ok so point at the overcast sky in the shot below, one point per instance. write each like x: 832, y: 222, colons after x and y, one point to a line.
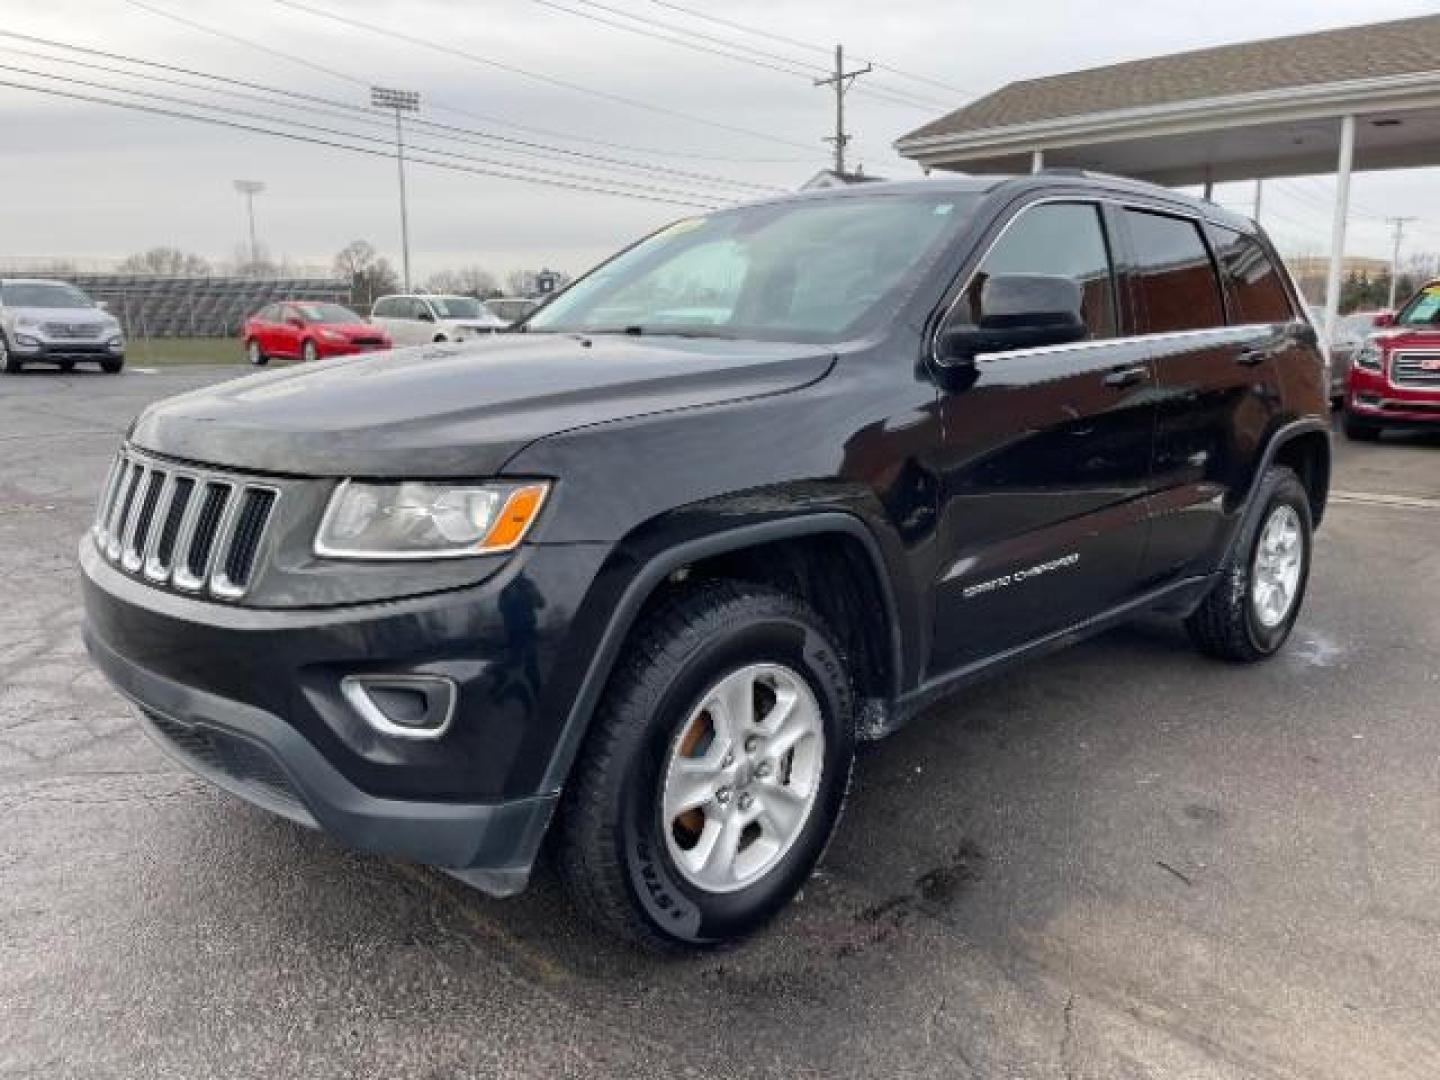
x: 87, y: 181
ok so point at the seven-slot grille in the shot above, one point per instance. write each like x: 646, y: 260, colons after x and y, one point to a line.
x: 1415, y: 369
x: 193, y: 530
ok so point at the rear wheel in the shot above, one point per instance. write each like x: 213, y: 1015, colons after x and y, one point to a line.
x: 66, y: 366
x: 9, y: 362
x: 255, y: 354
x: 1254, y: 604
x: 715, y: 771
x: 1360, y: 430
x: 308, y: 353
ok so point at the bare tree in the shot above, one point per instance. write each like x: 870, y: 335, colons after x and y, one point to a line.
x: 165, y: 261
x: 473, y: 281
x: 369, y: 273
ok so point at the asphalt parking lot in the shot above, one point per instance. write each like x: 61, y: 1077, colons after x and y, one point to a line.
x: 1124, y: 861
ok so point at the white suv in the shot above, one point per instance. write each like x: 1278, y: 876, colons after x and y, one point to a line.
x: 55, y: 323
x: 413, y: 320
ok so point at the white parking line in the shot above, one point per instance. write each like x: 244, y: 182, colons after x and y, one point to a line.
x: 1368, y: 498
x: 145, y: 370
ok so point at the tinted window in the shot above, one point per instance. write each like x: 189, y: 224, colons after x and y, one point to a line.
x: 1173, y: 273
x: 387, y: 308
x: 1255, y: 286
x: 269, y: 313
x: 44, y: 295
x: 418, y: 309
x: 1065, y: 239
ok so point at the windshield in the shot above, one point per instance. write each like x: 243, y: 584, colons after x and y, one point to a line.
x: 44, y: 296
x: 796, y: 271
x: 327, y: 313
x: 1422, y: 310
x: 460, y: 307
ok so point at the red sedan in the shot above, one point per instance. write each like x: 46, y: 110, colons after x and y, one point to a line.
x: 300, y: 330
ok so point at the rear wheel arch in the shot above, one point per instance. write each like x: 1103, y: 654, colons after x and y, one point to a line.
x: 777, y: 553
x: 1303, y: 446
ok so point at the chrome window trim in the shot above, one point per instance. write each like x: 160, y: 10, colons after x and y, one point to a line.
x: 1239, y: 332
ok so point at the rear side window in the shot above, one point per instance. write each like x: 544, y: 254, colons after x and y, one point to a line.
x: 1064, y: 239
x: 1174, y: 276
x: 385, y: 309
x: 1255, y: 286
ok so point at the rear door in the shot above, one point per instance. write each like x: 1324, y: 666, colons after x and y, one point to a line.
x: 1217, y: 380
x: 1046, y: 452
x: 266, y: 331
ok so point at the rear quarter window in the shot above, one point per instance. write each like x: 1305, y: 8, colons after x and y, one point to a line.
x: 1256, y: 289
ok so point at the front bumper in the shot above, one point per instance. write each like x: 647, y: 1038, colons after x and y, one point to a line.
x: 1372, y: 396
x: 251, y: 699
x: 67, y: 350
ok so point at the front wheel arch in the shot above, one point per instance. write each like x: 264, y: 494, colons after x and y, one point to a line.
x: 650, y: 580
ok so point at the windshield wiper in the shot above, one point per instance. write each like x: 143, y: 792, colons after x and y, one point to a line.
x: 638, y: 330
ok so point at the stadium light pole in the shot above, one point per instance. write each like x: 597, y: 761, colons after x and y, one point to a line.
x: 251, y: 188
x: 402, y: 101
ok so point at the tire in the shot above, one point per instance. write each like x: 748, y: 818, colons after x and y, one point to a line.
x: 615, y: 850
x: 1232, y: 622
x: 1360, y: 430
x: 9, y: 362
x: 254, y: 355
x: 66, y: 366
x: 440, y: 339
x: 112, y: 365
x: 308, y: 352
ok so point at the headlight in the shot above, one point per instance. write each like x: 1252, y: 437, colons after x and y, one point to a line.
x: 417, y: 520
x: 27, y: 322
x: 116, y: 342
x: 26, y: 340
x: 1368, y: 357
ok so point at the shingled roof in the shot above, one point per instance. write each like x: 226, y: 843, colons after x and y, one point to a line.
x: 1402, y: 47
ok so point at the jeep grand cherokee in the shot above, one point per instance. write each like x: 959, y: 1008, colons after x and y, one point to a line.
x: 768, y: 483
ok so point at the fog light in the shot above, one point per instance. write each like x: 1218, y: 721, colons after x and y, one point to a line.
x: 403, y: 706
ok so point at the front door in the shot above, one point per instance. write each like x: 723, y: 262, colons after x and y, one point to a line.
x: 1046, y: 455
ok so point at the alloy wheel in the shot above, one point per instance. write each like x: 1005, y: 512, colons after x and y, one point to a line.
x: 1279, y: 561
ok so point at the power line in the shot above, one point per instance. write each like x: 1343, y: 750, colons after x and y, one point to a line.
x: 250, y: 115
x: 334, y: 145
x: 441, y: 106
x: 350, y: 111
x: 772, y: 36
x: 486, y: 61
x: 771, y: 61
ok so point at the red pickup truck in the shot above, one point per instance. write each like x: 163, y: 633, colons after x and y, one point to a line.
x: 1395, y: 377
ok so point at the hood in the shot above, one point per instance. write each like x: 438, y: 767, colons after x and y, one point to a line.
x: 70, y: 316
x: 1398, y: 337
x: 459, y: 410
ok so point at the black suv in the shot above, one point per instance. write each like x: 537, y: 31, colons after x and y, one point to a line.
x: 640, y: 576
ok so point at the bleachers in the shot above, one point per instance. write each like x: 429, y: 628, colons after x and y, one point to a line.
x: 164, y: 307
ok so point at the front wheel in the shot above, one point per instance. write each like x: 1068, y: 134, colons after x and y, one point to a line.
x: 1250, y: 611
x: 255, y: 354
x: 308, y: 353
x: 715, y: 771
x: 112, y: 365
x: 9, y: 362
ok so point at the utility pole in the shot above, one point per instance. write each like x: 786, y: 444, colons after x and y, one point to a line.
x: 251, y: 188
x: 1399, y: 224
x: 841, y: 80
x: 402, y: 101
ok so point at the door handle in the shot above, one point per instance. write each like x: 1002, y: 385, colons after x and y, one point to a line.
x: 1252, y: 357
x: 1127, y: 376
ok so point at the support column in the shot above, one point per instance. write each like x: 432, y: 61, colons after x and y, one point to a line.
x: 1259, y: 198
x: 1343, y: 166
x: 1037, y: 160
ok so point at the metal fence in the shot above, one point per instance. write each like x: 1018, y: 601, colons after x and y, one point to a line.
x: 172, y: 307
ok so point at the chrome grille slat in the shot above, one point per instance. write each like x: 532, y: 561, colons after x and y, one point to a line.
x: 196, y: 531
x: 1407, y: 369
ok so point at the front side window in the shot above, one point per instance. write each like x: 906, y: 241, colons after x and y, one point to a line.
x: 804, y: 270
x: 327, y: 313
x: 1255, y: 286
x: 1174, y: 276
x: 1059, y: 239
x: 384, y: 309
x: 43, y: 295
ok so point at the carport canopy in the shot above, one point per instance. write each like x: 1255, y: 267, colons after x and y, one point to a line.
x: 1361, y: 97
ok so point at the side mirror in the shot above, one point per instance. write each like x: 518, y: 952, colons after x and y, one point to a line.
x: 1017, y: 311
x: 424, y: 314
x: 296, y: 321
x: 1385, y: 318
